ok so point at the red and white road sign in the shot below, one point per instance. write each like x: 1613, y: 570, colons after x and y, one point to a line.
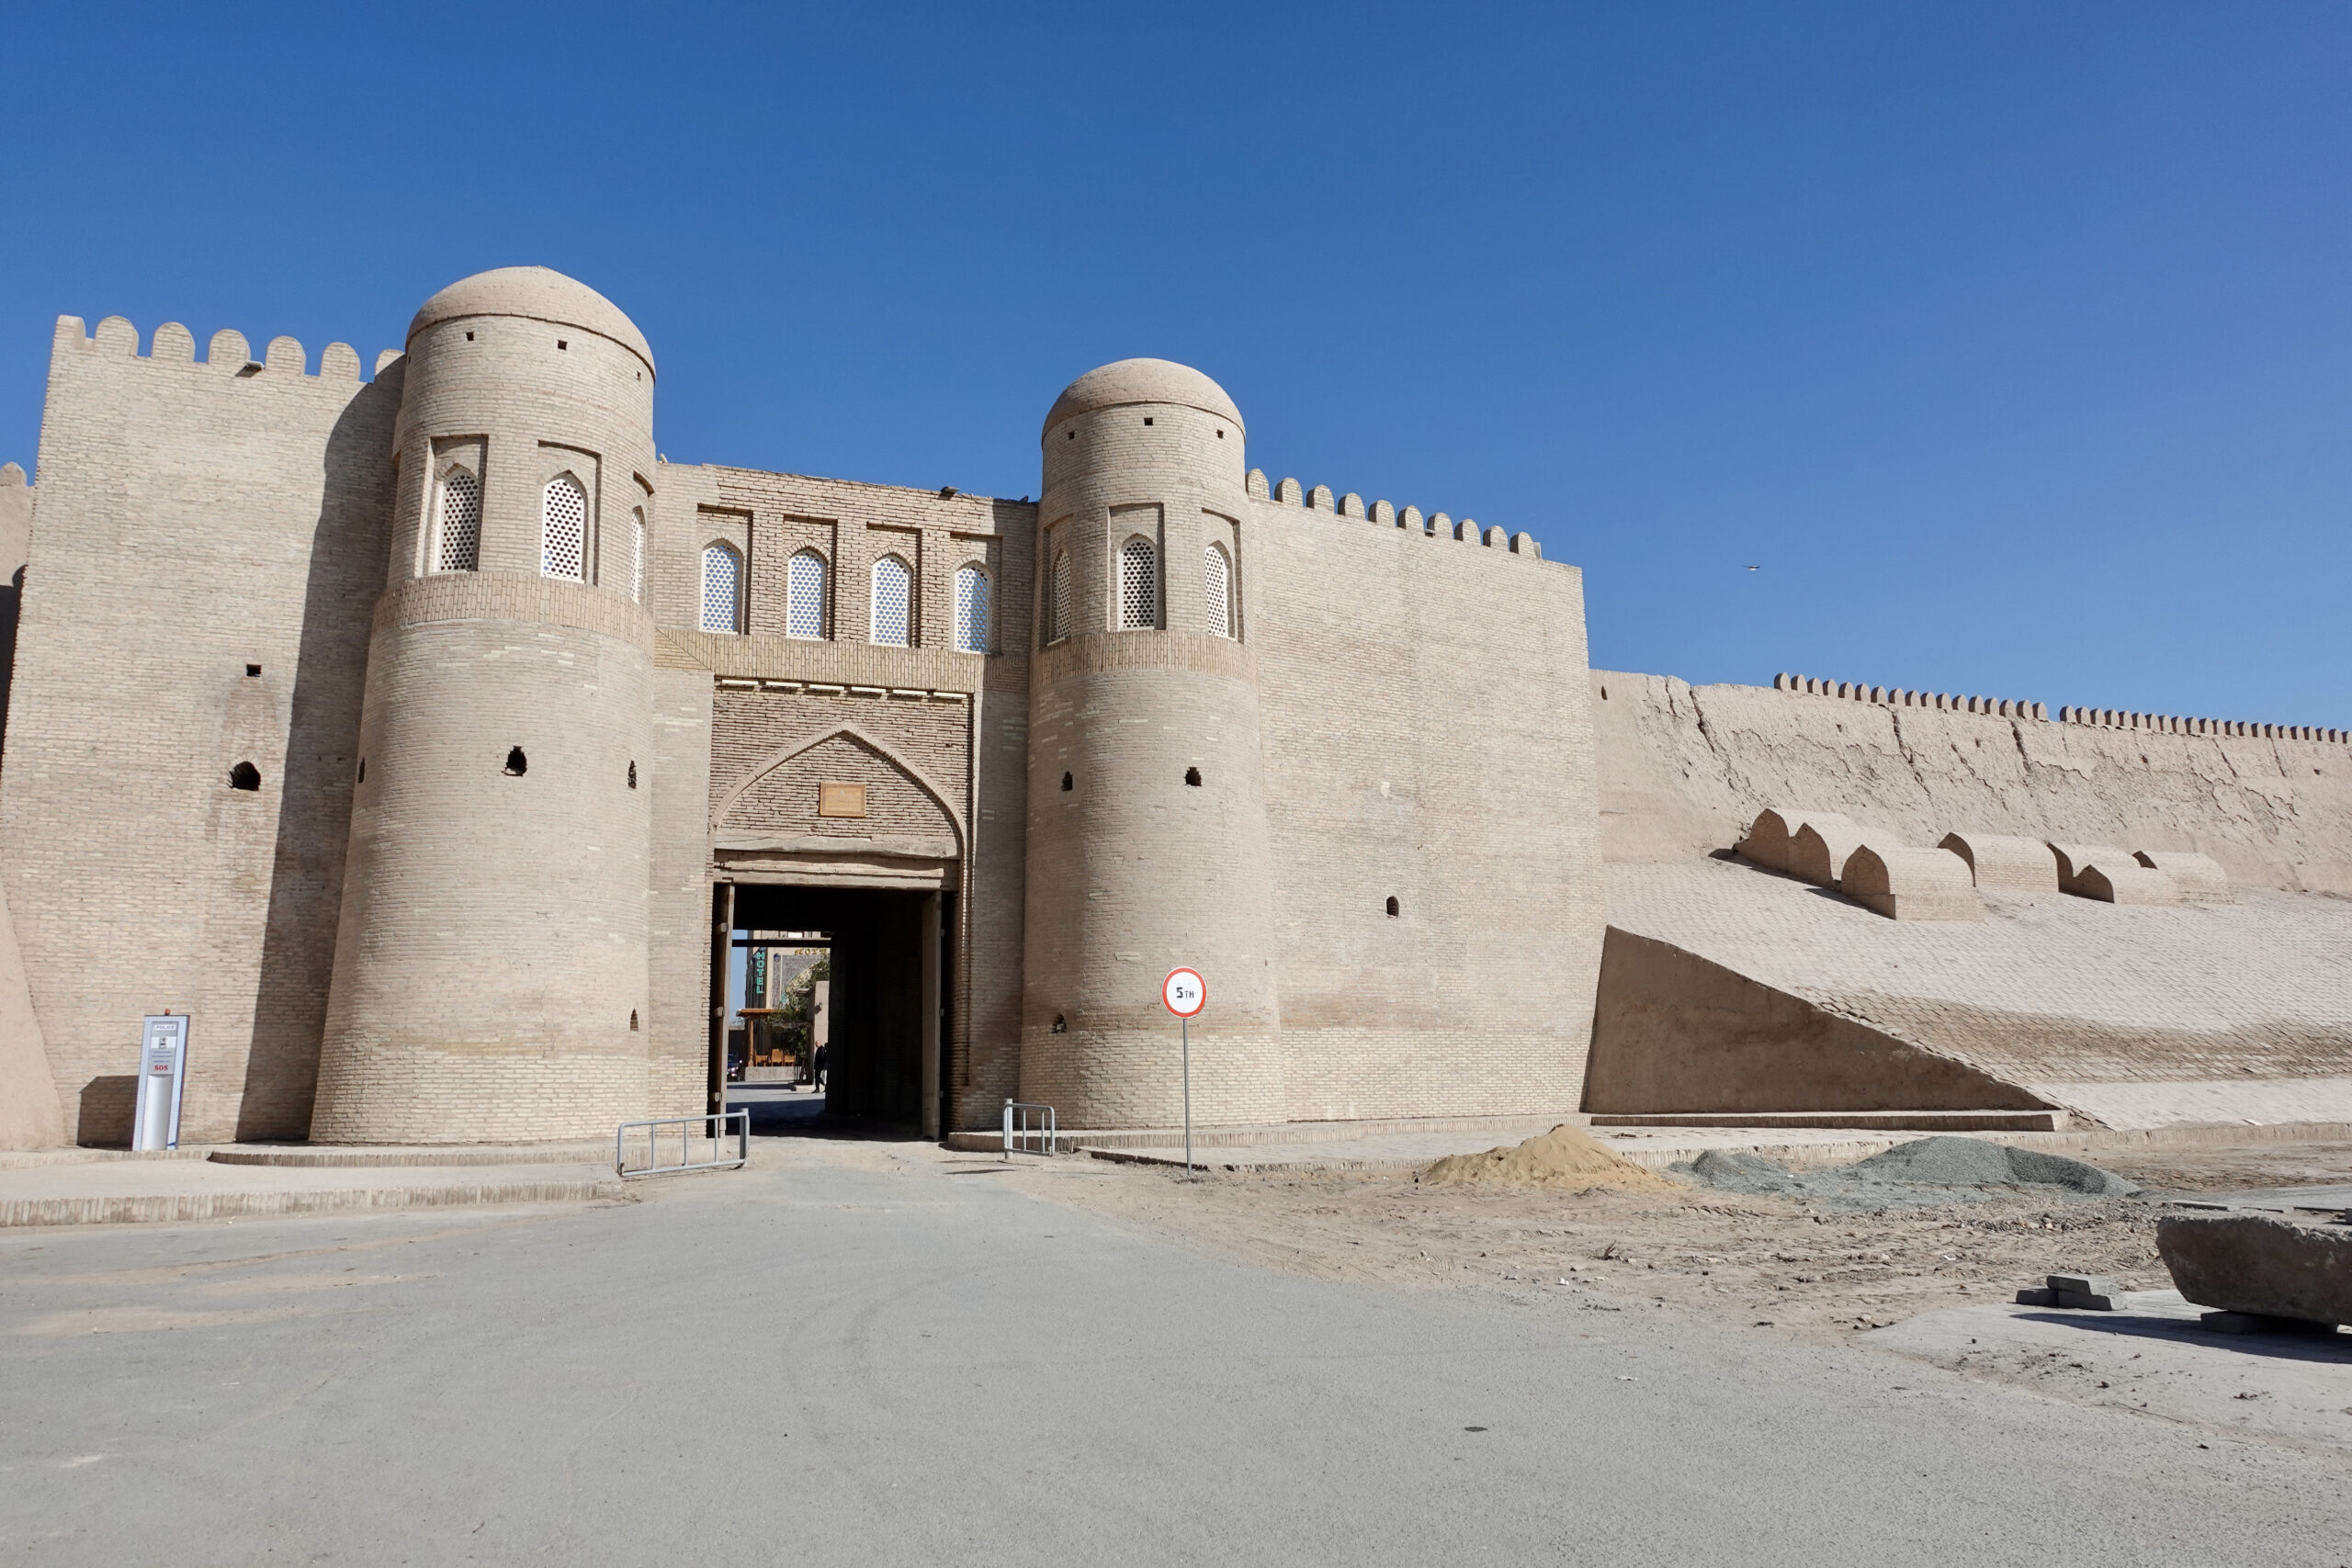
x: 1184, y: 992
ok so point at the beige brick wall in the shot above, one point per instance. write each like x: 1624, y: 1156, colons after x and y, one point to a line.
x: 959, y: 719
x: 1426, y: 736
x: 194, y: 518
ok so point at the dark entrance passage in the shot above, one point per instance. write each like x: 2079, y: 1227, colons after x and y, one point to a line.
x: 886, y: 996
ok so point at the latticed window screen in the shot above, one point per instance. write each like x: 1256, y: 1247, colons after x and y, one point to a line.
x: 971, y: 609
x: 804, y: 595
x: 891, y: 582
x: 1138, y: 585
x: 563, y: 539
x: 1218, y: 594
x: 722, y: 582
x: 458, y: 539
x: 1060, y: 626
x: 637, y: 557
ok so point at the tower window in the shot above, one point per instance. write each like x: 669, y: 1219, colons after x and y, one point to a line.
x: 1147, y: 419
x: 1192, y: 777
x: 1138, y: 585
x: 632, y: 775
x: 632, y: 1020
x: 244, y: 775
x: 1061, y: 1024
x: 804, y: 595
x: 1059, y: 627
x: 1218, y: 585
x: 891, y: 617
x: 252, y: 670
x: 563, y: 537
x: 561, y: 343
x: 363, y: 771
x: 971, y: 609
x: 722, y: 588
x: 457, y: 544
x: 1067, y: 783
x: 1392, y: 906
x: 517, y: 765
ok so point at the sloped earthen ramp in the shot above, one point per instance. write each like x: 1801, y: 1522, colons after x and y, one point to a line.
x: 1725, y: 988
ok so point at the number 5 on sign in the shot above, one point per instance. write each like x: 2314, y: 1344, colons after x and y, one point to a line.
x: 1184, y: 992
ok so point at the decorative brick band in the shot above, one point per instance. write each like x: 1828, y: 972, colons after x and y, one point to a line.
x: 733, y: 656
x: 1092, y: 654
x: 514, y: 596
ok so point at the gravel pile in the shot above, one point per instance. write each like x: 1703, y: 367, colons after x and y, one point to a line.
x: 1914, y: 1174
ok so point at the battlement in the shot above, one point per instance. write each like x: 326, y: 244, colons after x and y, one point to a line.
x: 2166, y: 724
x: 1380, y: 513
x: 228, y: 353
x: 2103, y: 719
x: 1902, y: 697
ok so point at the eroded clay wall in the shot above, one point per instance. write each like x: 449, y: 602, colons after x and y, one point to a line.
x: 1426, y: 738
x: 1684, y: 768
x: 208, y: 541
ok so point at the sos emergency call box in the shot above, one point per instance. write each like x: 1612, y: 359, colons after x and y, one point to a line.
x: 162, y: 1075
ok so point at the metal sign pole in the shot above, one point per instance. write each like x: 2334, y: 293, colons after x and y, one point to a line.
x: 1184, y: 993
x: 1188, y: 1096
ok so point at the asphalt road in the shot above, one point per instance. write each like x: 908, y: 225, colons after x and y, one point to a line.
x: 851, y: 1356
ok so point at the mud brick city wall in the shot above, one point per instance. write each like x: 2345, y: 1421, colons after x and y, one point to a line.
x: 1426, y: 738
x: 195, y: 518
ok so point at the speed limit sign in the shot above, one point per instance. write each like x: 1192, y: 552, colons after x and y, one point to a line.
x: 1184, y: 992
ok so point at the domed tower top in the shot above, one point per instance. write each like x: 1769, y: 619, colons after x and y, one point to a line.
x: 536, y: 293
x: 1129, y: 381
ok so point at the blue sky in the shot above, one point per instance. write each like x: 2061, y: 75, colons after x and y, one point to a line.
x: 2013, y: 344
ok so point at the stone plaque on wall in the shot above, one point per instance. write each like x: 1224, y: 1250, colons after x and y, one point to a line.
x: 840, y: 800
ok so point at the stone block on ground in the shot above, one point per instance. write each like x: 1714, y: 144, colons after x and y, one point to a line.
x: 2260, y: 1264
x: 2034, y: 1296
x: 2084, y: 1284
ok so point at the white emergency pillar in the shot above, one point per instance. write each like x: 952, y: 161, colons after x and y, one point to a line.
x: 162, y: 1075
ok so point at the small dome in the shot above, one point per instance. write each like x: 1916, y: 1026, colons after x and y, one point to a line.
x: 1143, y: 381
x: 538, y: 294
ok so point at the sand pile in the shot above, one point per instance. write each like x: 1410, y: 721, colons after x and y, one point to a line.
x: 1922, y: 1173
x: 1566, y: 1157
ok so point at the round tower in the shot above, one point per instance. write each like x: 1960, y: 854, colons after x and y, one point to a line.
x: 1147, y: 844
x: 490, y: 968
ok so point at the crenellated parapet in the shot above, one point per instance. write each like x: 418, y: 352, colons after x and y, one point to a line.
x: 2102, y: 718
x: 1903, y: 697
x: 1383, y: 514
x: 2167, y: 724
x: 229, y: 353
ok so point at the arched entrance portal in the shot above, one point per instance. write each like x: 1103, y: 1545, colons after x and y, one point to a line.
x: 890, y: 955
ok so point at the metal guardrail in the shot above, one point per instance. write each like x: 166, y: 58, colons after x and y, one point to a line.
x: 1023, y: 1123
x: 714, y: 1140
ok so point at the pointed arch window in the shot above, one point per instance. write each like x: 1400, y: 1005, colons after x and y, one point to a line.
x: 637, y: 556
x: 971, y: 609
x: 457, y: 527
x: 804, y: 595
x: 893, y: 594
x: 1138, y: 585
x: 563, y: 532
x: 722, y: 588
x: 1217, y: 592
x: 1058, y: 604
